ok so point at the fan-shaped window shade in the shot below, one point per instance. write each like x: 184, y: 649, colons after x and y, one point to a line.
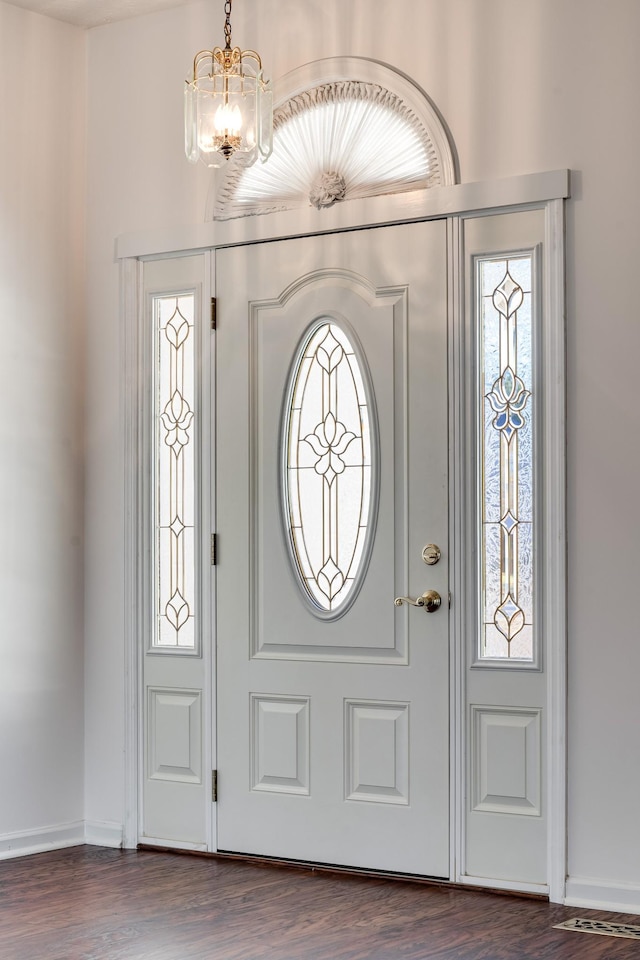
x: 336, y: 141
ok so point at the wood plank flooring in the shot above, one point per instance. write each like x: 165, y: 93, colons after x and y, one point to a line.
x: 91, y: 903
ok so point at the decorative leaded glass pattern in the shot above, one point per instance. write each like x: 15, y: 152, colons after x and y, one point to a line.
x: 328, y: 468
x: 506, y: 462
x: 174, y: 459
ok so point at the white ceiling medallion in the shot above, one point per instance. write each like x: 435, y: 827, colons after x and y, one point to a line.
x: 343, y: 128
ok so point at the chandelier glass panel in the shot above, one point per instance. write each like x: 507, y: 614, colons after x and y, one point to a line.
x: 228, y: 105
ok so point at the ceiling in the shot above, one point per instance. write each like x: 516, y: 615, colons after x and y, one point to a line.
x: 92, y: 13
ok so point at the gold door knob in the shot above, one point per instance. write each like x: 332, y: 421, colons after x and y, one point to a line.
x: 430, y: 601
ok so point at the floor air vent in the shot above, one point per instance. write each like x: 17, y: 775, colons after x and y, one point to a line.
x: 603, y: 927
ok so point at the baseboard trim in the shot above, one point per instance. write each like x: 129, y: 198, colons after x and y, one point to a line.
x: 22, y: 843
x: 602, y: 895
x: 103, y: 833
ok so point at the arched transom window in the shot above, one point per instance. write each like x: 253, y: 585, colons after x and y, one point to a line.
x: 368, y: 133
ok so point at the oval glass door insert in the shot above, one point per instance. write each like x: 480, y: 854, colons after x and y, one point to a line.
x: 330, y: 468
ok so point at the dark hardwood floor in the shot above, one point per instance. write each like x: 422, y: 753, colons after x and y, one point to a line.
x: 91, y: 903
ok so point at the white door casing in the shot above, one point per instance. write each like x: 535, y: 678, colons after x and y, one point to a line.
x: 544, y: 192
x: 333, y: 734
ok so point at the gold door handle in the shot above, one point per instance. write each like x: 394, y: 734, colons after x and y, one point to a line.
x: 430, y: 600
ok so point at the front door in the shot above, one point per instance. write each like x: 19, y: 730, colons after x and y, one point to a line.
x: 331, y: 432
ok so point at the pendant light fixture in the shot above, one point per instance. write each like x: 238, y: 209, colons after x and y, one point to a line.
x: 228, y: 107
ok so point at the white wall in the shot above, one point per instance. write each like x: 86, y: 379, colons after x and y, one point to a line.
x: 42, y: 191
x: 524, y: 87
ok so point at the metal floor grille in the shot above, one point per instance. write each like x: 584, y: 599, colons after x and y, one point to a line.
x: 602, y: 927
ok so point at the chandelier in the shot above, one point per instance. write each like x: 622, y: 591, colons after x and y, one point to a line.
x: 228, y: 107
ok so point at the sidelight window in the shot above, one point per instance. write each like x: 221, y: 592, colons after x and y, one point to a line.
x: 174, y: 468
x: 506, y: 432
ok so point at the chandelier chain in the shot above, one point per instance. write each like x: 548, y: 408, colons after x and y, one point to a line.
x: 227, y: 24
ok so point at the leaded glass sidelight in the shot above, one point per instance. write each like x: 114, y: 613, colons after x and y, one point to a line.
x: 506, y: 461
x: 330, y: 454
x: 174, y: 465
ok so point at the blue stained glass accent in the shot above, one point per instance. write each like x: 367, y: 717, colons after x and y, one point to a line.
x: 509, y: 522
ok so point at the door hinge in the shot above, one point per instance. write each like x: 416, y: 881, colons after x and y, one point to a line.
x: 214, y: 558
x: 214, y: 786
x: 213, y: 313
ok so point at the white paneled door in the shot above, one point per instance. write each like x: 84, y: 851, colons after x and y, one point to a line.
x: 331, y: 400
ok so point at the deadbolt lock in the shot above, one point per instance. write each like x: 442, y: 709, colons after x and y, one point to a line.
x: 431, y: 554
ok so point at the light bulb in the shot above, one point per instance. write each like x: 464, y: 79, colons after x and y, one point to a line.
x: 228, y: 119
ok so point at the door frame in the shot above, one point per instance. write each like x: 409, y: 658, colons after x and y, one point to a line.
x: 546, y: 191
